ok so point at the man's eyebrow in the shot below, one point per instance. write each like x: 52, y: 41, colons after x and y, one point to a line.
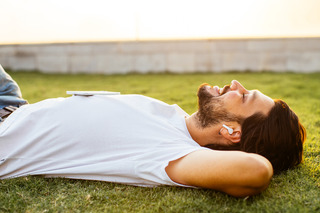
x: 254, y: 95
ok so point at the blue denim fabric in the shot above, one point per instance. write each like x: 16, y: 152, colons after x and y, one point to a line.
x: 10, y: 93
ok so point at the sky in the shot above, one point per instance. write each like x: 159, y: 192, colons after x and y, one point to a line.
x: 42, y: 21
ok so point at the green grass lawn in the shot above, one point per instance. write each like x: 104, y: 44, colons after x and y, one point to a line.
x: 297, y: 190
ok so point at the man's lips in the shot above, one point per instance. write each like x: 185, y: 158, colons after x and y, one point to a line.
x: 221, y: 91
x: 213, y: 90
x: 217, y: 91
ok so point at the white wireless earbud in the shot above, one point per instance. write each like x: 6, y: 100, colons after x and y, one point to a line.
x: 230, y: 130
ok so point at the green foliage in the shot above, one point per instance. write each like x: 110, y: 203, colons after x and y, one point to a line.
x: 297, y: 190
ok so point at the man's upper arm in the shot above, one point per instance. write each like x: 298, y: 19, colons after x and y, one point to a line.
x: 234, y: 172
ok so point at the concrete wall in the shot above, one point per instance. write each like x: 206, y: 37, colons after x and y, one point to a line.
x: 180, y: 56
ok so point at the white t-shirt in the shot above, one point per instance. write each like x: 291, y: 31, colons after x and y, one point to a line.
x: 122, y: 138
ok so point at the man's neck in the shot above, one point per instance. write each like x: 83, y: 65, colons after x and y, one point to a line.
x: 203, y: 136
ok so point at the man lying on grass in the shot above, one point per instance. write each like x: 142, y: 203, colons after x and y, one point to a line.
x: 137, y: 140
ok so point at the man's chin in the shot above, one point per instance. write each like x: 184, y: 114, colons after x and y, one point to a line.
x: 204, y: 85
x: 204, y: 89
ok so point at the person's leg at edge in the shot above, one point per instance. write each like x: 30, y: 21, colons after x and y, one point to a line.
x: 10, y: 94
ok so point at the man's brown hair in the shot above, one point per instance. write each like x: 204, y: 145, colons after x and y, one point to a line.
x: 279, y: 137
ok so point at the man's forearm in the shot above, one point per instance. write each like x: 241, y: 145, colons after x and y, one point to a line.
x: 233, y: 172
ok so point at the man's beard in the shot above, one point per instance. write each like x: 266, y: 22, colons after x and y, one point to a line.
x: 211, y: 110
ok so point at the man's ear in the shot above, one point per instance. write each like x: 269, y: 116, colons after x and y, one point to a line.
x: 235, y: 136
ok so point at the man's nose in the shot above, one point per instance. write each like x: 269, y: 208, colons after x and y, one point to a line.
x: 235, y: 85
